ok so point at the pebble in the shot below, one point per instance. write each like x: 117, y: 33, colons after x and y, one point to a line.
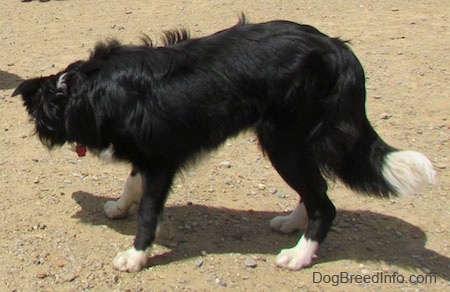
x: 115, y: 278
x: 252, y: 139
x: 225, y: 164
x: 42, y: 275
x: 199, y: 263
x: 249, y: 262
x: 385, y: 116
x: 39, y: 226
x: 273, y: 190
x: 69, y: 277
x: 221, y: 282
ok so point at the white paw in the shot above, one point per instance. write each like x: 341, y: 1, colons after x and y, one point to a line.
x: 131, y: 260
x: 113, y: 210
x: 298, y: 257
x: 296, y: 220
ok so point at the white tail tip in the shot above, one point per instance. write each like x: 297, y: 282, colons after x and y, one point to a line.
x: 408, y: 171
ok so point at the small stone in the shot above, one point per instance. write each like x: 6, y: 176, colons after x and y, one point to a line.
x: 225, y: 164
x: 42, y: 275
x: 39, y: 226
x: 70, y: 277
x: 199, y: 263
x: 261, y: 259
x: 221, y: 282
x: 250, y: 263
x: 385, y: 116
x: 273, y: 191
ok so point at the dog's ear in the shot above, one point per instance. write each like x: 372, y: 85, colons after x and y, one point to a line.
x: 28, y: 87
x: 34, y: 91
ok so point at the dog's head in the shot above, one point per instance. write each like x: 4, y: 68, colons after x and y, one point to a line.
x: 45, y: 99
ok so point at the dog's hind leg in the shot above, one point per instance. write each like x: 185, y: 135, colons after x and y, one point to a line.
x: 296, y: 220
x: 131, y: 195
x: 304, y: 176
x: 155, y: 187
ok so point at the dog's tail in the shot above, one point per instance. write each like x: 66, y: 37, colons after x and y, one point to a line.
x: 344, y: 143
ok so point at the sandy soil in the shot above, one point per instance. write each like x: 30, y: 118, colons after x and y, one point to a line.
x: 55, y: 237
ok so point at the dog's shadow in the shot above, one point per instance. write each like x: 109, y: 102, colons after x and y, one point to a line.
x: 9, y: 80
x: 357, y: 235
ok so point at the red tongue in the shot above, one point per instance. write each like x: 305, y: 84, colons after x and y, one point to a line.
x: 81, y: 150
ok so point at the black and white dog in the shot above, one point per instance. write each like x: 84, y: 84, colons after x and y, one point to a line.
x: 159, y: 107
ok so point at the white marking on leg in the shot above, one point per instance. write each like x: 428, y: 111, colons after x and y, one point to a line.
x: 296, y: 220
x: 299, y: 256
x: 107, y: 154
x: 408, y: 171
x: 131, y: 194
x: 131, y: 260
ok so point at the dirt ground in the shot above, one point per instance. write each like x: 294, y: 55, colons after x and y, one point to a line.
x: 54, y: 235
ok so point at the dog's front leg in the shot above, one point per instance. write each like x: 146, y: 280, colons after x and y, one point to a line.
x: 155, y: 187
x: 131, y: 195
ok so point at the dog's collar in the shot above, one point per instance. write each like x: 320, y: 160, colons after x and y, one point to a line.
x: 81, y: 150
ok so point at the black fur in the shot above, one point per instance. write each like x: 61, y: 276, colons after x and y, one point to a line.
x: 302, y: 91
